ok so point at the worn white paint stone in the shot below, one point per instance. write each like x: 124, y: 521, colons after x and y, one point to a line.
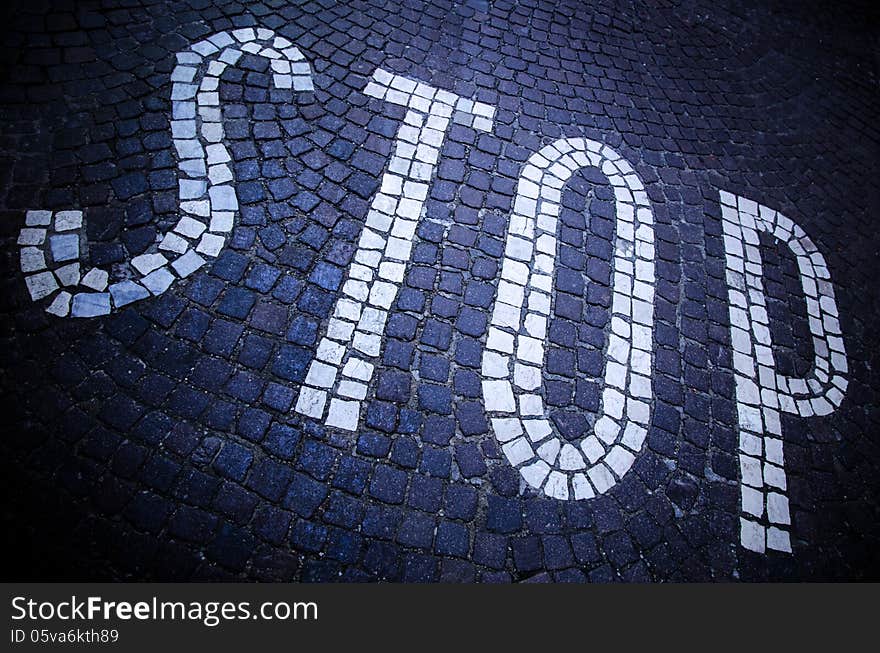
x: 188, y: 263
x: 41, y: 285
x: 96, y: 279
x: 31, y: 236
x: 343, y: 414
x: 146, y: 263
x: 311, y: 402
x: 68, y: 274
x: 60, y: 306
x: 68, y: 220
x: 90, y: 304
x: 158, y: 281
x: 127, y: 292
x: 498, y: 396
x: 38, y: 219
x: 32, y: 259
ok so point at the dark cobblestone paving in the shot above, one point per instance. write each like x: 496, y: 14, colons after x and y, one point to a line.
x: 160, y: 442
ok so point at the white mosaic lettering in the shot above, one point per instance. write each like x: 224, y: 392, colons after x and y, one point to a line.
x: 596, y: 461
x: 386, y: 241
x: 52, y: 243
x: 207, y: 199
x: 762, y: 393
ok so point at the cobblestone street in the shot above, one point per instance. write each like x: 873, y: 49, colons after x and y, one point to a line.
x: 478, y: 291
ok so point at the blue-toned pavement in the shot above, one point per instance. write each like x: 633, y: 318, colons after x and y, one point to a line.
x: 424, y: 291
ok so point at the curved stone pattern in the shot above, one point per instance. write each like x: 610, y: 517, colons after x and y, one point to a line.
x: 53, y: 243
x: 761, y: 393
x: 514, y: 355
